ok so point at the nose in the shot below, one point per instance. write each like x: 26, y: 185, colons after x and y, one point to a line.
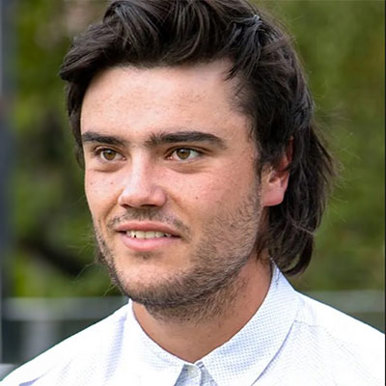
x: 141, y: 187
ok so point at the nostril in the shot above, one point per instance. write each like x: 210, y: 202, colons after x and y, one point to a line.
x: 142, y: 197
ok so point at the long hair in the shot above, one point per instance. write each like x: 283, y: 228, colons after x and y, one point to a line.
x: 273, y: 92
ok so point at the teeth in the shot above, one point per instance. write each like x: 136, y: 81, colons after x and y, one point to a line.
x: 147, y: 235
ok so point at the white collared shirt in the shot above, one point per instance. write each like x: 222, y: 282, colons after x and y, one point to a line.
x: 291, y: 340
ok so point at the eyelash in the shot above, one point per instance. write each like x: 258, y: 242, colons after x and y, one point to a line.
x: 175, y: 150
x: 98, y: 153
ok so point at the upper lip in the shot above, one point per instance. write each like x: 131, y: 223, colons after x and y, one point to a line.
x: 146, y: 227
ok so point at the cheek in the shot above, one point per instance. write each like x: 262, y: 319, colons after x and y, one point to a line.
x: 100, y: 193
x: 208, y: 193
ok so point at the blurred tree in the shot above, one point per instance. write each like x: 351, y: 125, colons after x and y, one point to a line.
x: 50, y: 213
x: 342, y: 46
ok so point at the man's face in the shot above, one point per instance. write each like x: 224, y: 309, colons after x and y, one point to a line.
x: 170, y: 178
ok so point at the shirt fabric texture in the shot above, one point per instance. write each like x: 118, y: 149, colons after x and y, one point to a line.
x: 291, y: 340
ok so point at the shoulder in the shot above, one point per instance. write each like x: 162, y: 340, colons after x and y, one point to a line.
x: 348, y: 347
x: 82, y: 351
x: 340, y: 326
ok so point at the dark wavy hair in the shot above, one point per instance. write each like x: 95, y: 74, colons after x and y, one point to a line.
x: 273, y: 93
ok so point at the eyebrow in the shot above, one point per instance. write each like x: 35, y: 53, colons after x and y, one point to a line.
x: 157, y: 139
x: 185, y: 136
x: 91, y: 136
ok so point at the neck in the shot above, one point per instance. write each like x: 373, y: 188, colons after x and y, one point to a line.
x: 213, y: 320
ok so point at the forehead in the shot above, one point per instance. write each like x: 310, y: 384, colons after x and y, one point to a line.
x: 140, y: 99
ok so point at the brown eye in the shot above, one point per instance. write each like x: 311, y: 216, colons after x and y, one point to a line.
x: 108, y: 154
x: 184, y: 154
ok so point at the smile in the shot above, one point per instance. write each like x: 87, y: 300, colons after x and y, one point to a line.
x: 147, y: 234
x: 147, y: 241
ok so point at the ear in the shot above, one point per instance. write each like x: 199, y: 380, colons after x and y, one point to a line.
x: 274, y: 181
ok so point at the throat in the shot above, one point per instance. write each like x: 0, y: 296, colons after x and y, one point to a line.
x: 212, y: 319
x: 209, y: 321
x: 204, y: 309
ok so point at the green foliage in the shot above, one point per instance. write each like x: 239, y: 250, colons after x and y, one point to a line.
x: 342, y: 46
x: 53, y: 255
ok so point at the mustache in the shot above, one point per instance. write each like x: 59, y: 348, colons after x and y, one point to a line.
x: 149, y: 214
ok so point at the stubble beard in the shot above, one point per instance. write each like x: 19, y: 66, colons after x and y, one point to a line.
x: 213, y: 282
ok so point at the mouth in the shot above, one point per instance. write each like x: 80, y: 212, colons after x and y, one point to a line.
x: 145, y: 235
x: 148, y: 241
x: 146, y: 230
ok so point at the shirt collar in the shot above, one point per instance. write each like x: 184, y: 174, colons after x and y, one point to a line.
x: 239, y: 361
x: 245, y: 356
x: 148, y: 360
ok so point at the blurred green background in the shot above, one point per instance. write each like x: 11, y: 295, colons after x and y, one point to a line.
x: 342, y: 46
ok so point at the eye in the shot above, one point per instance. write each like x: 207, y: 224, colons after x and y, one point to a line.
x: 108, y: 155
x: 183, y: 154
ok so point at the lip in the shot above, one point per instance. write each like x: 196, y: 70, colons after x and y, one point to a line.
x: 146, y: 245
x: 146, y: 227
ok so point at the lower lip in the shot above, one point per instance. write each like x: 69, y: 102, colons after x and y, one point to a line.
x: 147, y: 245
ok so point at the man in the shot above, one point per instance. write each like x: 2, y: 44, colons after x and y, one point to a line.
x: 205, y: 180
